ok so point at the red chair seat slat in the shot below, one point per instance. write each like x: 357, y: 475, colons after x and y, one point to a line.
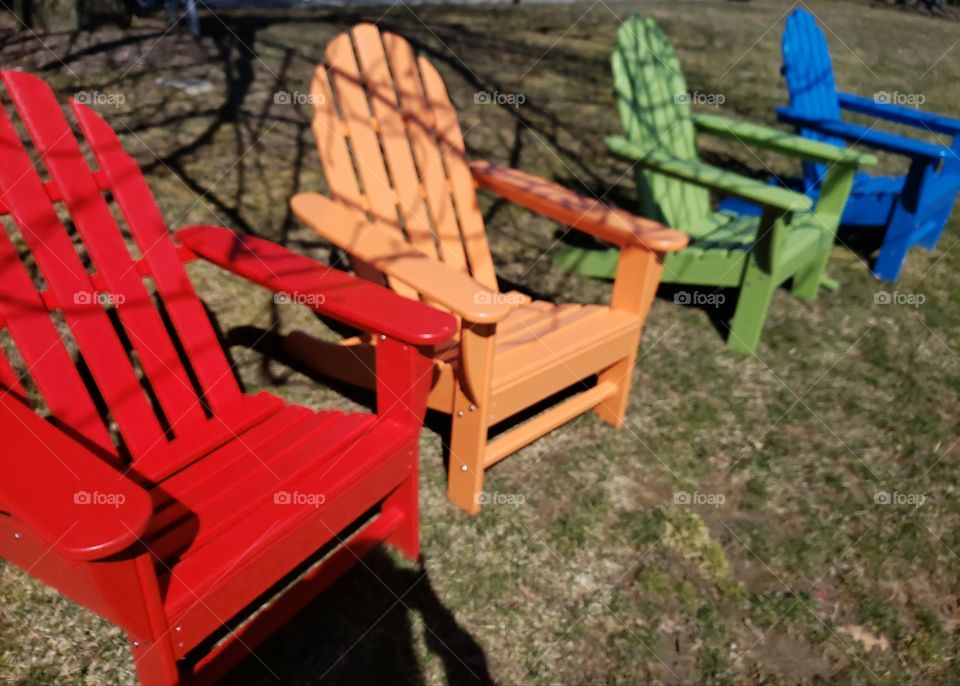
x: 197, y: 440
x: 273, y: 471
x: 248, y: 557
x: 203, y: 477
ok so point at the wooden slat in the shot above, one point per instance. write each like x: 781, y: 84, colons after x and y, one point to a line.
x: 808, y: 69
x: 554, y: 345
x: 355, y: 110
x: 104, y: 242
x: 522, y: 316
x: 283, y: 430
x: 63, y: 271
x: 421, y: 129
x: 47, y: 361
x: 202, y: 485
x: 531, y: 430
x: 378, y: 197
x: 513, y: 325
x: 808, y: 72
x: 393, y: 138
x: 332, y: 444
x: 559, y: 317
x: 186, y: 312
x: 222, y: 507
x: 221, y: 466
x: 648, y: 83
x: 198, y: 439
x: 206, y: 589
x: 454, y: 153
x: 328, y: 130
x: 53, y: 190
x: 569, y: 362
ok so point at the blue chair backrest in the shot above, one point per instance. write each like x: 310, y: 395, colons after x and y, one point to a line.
x: 809, y: 76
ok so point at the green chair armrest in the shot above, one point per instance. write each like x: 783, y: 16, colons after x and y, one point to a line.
x: 711, y: 177
x: 780, y: 141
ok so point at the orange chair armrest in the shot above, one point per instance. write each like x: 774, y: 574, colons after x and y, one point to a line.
x: 577, y: 211
x: 385, y: 249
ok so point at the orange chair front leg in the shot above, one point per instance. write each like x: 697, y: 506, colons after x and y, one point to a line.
x: 468, y: 432
x: 634, y: 288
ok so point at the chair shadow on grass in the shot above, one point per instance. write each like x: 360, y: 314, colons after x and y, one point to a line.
x: 363, y: 630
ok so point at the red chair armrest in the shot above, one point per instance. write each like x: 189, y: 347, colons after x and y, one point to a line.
x: 73, y: 499
x: 351, y: 300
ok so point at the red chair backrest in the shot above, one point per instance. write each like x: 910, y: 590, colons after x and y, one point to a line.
x: 90, y: 272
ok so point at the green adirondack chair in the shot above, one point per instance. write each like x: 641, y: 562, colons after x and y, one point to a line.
x: 790, y: 239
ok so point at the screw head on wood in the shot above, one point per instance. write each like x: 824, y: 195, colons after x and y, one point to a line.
x: 473, y: 408
x: 459, y: 413
x: 463, y: 468
x: 383, y: 337
x: 16, y: 536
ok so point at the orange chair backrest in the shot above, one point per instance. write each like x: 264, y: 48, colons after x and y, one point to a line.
x: 391, y: 145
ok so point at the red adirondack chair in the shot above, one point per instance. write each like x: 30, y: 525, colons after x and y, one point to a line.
x: 157, y: 493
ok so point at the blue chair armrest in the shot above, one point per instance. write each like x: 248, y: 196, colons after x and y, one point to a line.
x: 861, y: 135
x: 899, y: 114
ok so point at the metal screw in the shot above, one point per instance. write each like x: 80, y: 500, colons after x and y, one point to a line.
x: 383, y: 337
x: 179, y: 628
x: 473, y: 407
x: 463, y: 468
x: 16, y: 536
x: 459, y: 413
x: 136, y: 644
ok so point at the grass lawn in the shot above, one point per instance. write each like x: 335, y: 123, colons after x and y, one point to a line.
x: 592, y: 569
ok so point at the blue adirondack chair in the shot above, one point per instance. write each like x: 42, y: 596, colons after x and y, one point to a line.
x: 913, y: 208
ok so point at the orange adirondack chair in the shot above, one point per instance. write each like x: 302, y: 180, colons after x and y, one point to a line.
x: 194, y: 525
x: 404, y: 207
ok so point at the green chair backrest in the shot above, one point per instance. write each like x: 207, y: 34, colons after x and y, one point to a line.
x: 655, y: 111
